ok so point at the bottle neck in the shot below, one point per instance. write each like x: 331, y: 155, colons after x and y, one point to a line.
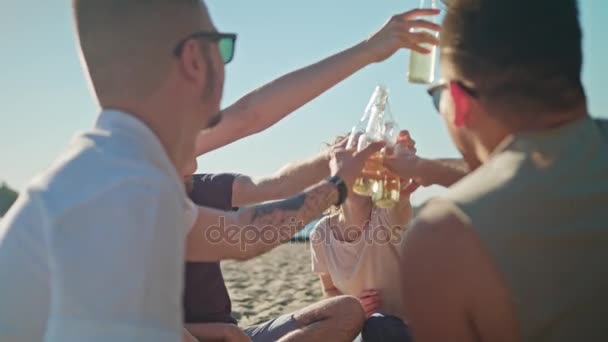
x: 373, y: 125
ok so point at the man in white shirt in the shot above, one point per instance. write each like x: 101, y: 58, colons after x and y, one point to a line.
x: 90, y: 251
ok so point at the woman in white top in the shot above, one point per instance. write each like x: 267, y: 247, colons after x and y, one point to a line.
x: 356, y: 251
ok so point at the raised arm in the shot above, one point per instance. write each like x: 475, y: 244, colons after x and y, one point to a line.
x: 272, y: 102
x: 255, y: 230
x: 426, y: 172
x: 288, y: 181
x: 444, y: 172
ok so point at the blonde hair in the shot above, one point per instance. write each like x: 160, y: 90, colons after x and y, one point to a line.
x: 127, y: 45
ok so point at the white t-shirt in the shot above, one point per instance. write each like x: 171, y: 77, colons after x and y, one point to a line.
x: 370, y: 262
x: 90, y: 250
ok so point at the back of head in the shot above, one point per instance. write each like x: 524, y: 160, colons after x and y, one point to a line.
x: 524, y: 56
x: 127, y: 45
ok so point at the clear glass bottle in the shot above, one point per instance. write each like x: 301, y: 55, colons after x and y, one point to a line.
x: 387, y: 187
x: 422, y: 66
x: 374, y: 131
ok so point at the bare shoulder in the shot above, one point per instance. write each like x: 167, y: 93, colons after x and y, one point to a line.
x: 440, y: 233
x: 439, y: 223
x: 446, y: 263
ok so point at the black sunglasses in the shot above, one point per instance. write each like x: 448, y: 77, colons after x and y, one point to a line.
x: 436, y: 91
x: 226, y: 43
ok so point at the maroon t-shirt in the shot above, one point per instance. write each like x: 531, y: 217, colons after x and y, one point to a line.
x: 206, y: 298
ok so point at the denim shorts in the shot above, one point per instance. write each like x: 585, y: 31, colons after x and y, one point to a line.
x: 384, y: 328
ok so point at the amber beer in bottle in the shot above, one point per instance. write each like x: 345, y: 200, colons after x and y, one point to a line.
x: 373, y: 132
x: 387, y: 187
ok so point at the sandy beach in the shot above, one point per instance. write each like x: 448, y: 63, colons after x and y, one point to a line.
x: 276, y: 283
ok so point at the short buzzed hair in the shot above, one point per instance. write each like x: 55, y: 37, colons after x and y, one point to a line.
x: 519, y: 54
x: 127, y: 44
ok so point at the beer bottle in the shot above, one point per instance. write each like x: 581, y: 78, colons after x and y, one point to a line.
x: 374, y: 130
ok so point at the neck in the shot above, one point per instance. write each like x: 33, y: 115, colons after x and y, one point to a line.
x: 355, y: 216
x: 171, y: 130
x: 490, y: 138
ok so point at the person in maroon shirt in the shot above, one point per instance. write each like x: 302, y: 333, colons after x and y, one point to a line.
x: 207, y: 304
x: 206, y: 298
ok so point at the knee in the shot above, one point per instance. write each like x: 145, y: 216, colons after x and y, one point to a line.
x: 349, y: 310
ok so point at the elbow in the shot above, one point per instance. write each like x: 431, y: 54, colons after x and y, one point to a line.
x: 251, y: 247
x: 242, y: 257
x: 247, y: 253
x: 247, y: 247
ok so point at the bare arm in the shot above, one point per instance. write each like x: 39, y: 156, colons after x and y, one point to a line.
x: 272, y: 102
x: 444, y: 172
x: 289, y: 180
x: 253, y: 231
x: 401, y: 214
x: 328, y: 287
x: 428, y: 172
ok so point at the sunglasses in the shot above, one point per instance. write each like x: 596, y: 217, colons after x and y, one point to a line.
x: 226, y: 43
x: 436, y: 92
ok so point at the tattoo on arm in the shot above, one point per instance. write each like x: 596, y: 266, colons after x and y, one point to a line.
x: 295, y: 203
x: 291, y: 215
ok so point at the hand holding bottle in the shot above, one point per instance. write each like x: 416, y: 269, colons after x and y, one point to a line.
x: 403, y: 31
x: 347, y: 164
x: 422, y: 65
x: 406, y: 148
x: 404, y: 162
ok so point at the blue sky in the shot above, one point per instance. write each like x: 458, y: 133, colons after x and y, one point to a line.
x: 44, y: 99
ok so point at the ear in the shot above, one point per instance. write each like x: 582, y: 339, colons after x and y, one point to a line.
x: 462, y: 104
x: 192, y: 62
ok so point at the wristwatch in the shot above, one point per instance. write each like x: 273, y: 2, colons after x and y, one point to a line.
x: 342, y: 189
